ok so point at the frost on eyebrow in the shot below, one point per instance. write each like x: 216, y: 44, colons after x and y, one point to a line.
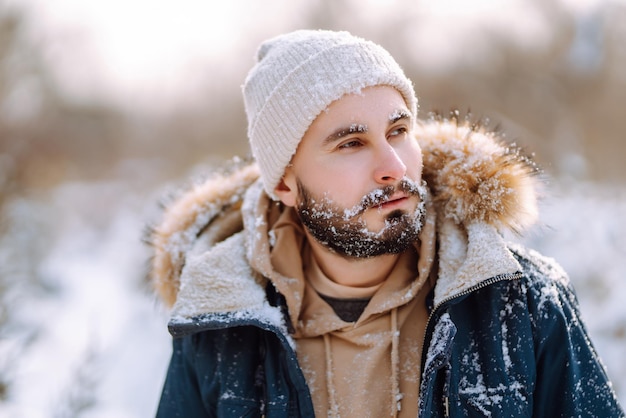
x: 348, y: 130
x: 399, y: 114
x: 357, y: 128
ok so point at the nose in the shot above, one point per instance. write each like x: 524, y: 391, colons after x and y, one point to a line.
x: 390, y: 168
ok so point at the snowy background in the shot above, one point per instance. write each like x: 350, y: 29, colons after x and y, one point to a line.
x: 119, y: 104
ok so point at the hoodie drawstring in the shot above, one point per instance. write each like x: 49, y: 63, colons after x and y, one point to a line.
x: 396, y: 396
x: 333, y: 410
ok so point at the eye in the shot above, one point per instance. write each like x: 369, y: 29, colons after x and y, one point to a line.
x: 396, y: 132
x: 353, y: 143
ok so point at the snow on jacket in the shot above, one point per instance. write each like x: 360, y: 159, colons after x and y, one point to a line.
x: 504, y: 337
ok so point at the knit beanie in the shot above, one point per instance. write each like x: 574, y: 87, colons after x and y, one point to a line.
x: 296, y: 76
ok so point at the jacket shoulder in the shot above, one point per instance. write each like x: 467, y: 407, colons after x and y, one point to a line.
x: 563, y: 350
x: 547, y: 286
x: 538, y: 267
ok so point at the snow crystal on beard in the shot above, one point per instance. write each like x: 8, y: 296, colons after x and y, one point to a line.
x: 343, y: 232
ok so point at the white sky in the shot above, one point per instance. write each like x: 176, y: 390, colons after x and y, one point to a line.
x: 153, y: 49
x: 107, y: 48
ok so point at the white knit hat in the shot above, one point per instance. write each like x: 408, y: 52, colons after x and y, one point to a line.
x: 296, y: 77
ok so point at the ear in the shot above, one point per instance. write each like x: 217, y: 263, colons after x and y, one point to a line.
x: 287, y: 189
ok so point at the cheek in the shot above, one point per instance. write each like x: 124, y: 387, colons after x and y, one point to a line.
x: 322, y: 176
x: 412, y: 158
x: 340, y: 188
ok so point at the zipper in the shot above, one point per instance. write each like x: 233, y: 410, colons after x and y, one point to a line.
x: 476, y: 287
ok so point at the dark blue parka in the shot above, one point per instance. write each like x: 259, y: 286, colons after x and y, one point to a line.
x: 504, y: 337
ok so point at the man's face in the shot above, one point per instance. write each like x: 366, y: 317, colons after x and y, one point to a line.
x: 355, y: 179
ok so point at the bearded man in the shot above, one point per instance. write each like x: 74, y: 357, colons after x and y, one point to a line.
x: 357, y: 267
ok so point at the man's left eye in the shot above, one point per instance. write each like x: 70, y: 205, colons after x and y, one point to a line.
x: 398, y: 131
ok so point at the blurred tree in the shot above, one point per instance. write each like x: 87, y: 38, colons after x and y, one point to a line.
x: 563, y: 96
x: 41, y: 135
x: 9, y: 34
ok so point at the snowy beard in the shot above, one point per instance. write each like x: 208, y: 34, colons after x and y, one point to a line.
x: 344, y: 232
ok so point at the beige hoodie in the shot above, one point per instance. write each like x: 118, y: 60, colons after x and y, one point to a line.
x: 369, y: 368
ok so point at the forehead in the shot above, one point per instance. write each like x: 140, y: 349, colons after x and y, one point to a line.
x: 375, y: 103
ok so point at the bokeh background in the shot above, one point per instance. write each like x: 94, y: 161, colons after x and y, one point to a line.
x: 106, y: 106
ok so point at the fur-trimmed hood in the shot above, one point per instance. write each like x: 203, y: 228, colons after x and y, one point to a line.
x: 480, y: 187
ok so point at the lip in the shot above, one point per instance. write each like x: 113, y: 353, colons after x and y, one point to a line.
x: 394, y: 201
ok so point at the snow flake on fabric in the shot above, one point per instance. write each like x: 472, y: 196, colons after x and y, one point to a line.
x: 488, y: 399
x: 551, y: 276
x: 443, y: 334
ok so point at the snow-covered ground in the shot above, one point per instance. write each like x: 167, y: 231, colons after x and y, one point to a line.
x: 102, y: 346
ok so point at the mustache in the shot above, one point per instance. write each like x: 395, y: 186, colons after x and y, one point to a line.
x: 383, y: 194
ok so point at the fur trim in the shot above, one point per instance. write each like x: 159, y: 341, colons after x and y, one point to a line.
x: 475, y: 176
x: 186, y: 218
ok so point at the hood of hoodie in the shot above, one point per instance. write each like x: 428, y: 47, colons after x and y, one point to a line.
x: 212, y: 246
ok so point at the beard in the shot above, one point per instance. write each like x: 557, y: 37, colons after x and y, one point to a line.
x: 344, y: 232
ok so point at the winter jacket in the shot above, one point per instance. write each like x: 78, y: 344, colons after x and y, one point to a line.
x: 504, y: 337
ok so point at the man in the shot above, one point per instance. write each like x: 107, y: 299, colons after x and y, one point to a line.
x: 356, y: 269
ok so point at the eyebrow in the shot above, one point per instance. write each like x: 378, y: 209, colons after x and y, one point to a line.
x: 399, y: 114
x: 355, y: 128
